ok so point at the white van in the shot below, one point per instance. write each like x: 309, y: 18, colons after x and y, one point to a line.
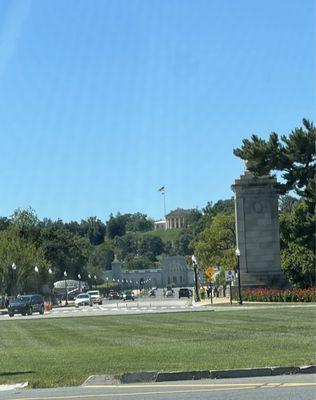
x: 95, y: 296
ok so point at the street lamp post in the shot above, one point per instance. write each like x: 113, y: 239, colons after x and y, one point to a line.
x: 194, y: 263
x: 37, y: 276
x: 237, y: 252
x: 66, y: 287
x: 79, y: 279
x: 13, y: 266
x: 50, y: 272
x: 89, y: 281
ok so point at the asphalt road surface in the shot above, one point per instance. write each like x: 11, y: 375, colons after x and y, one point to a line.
x: 142, y: 305
x: 294, y: 387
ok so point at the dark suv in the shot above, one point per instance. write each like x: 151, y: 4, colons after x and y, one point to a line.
x: 26, y: 304
x: 185, y: 292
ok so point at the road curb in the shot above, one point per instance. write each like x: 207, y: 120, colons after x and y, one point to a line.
x: 101, y: 380
x: 240, y: 373
x: 182, y: 375
x: 155, y: 376
x: 142, y: 376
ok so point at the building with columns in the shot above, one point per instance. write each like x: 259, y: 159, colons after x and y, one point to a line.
x: 178, y: 218
x: 175, y: 219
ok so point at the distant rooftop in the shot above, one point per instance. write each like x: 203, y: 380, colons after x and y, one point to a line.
x: 179, y: 212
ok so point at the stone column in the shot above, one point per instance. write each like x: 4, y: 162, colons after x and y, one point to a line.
x: 116, y: 268
x: 257, y: 231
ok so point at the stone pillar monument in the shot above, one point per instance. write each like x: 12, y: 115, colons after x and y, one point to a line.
x: 116, y: 268
x: 257, y: 231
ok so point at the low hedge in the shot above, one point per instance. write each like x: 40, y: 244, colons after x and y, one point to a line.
x: 273, y: 295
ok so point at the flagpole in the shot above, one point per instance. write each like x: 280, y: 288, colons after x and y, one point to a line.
x: 164, y: 203
x: 163, y: 192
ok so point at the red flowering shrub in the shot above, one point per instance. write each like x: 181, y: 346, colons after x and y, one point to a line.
x: 269, y: 295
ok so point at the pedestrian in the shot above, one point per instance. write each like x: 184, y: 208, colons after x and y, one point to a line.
x: 6, y: 300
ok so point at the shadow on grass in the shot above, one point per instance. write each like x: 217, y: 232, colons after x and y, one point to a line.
x: 16, y: 373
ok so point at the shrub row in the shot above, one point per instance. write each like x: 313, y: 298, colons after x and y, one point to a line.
x: 268, y: 295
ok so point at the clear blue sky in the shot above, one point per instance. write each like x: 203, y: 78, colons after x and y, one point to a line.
x: 103, y: 102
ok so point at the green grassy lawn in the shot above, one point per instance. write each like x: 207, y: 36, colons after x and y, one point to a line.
x: 65, y: 351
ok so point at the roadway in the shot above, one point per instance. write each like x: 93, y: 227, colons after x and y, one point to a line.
x: 145, y: 305
x: 288, y: 387
x: 141, y: 305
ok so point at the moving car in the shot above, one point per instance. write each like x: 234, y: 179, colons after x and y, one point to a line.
x: 185, y: 292
x: 83, y: 299
x: 26, y: 304
x: 128, y: 296
x: 114, y: 295
x: 95, y: 296
x: 169, y: 293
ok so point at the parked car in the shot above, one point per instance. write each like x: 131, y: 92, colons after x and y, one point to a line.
x: 185, y: 292
x: 129, y: 295
x: 95, y: 296
x: 83, y: 299
x: 26, y: 304
x: 114, y: 295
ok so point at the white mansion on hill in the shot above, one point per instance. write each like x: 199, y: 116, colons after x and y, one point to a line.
x: 174, y: 219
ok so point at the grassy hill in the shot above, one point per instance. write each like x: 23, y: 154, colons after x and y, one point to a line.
x: 165, y: 235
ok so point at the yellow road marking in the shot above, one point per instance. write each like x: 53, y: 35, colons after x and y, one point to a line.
x: 173, y: 385
x: 208, y: 388
x: 163, y: 392
x: 289, y: 384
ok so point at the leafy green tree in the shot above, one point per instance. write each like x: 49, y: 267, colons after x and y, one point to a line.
x: 138, y: 222
x: 100, y: 260
x: 298, y: 263
x: 93, y: 229
x: 64, y: 251
x: 24, y: 218
x: 26, y: 223
x: 152, y: 245
x: 138, y: 262
x: 286, y: 203
x: 194, y: 217
x: 4, y: 223
x: 73, y: 226
x: 220, y: 207
x: 26, y: 256
x: 294, y: 156
x: 217, y: 243
x: 297, y: 229
x: 125, y: 245
x: 116, y: 226
x: 182, y: 243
